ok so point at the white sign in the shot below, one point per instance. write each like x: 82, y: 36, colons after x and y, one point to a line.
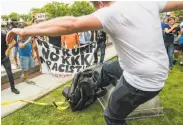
x: 64, y: 62
x: 41, y: 16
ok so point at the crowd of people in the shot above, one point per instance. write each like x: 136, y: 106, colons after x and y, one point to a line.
x: 172, y: 28
x: 25, y: 48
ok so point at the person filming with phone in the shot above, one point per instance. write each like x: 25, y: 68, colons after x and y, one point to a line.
x: 25, y: 54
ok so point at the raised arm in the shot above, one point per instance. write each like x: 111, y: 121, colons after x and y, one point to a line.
x: 58, y: 26
x: 22, y: 45
x: 173, y: 6
x: 169, y: 30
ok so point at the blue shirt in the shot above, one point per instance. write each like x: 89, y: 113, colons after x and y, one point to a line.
x: 181, y: 39
x: 82, y: 38
x: 88, y: 36
x: 164, y: 25
x: 85, y: 37
x: 181, y: 27
x: 27, y: 50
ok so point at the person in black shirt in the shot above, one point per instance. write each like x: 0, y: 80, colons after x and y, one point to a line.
x: 5, y: 61
x: 55, y: 40
x: 101, y: 43
x: 169, y: 37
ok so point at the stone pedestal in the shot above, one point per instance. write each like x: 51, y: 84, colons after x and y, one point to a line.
x: 152, y: 108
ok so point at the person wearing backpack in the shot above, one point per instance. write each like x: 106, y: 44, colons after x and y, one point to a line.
x: 140, y: 48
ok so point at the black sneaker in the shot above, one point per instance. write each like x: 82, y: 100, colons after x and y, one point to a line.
x: 174, y: 62
x: 15, y: 91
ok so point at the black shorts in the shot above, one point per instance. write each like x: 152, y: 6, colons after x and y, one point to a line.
x: 179, y: 47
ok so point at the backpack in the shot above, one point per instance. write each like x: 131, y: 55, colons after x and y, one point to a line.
x: 84, y: 90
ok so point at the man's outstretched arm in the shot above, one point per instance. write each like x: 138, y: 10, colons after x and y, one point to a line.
x: 59, y: 26
x: 173, y: 6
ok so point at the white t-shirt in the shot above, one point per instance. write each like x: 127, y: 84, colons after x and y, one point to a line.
x: 135, y: 29
x: 181, y: 24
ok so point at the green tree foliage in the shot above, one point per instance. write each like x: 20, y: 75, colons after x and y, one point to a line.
x: 25, y: 17
x: 37, y: 10
x: 14, y: 16
x: 56, y: 9
x: 80, y: 8
x: 29, y: 17
x: 5, y: 17
x: 178, y: 13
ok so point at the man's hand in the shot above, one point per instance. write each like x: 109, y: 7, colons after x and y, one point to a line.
x: 9, y: 37
x: 31, y: 39
x: 12, y: 33
x: 7, y: 53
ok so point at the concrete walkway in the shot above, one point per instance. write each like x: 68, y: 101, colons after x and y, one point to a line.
x: 45, y: 83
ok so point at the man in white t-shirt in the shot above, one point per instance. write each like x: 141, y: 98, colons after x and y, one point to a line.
x: 139, y: 44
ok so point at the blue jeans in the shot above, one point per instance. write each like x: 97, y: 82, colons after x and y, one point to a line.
x: 26, y: 63
x: 102, y: 46
x: 170, y: 48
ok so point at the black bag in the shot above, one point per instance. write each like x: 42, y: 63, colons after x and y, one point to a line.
x: 84, y: 90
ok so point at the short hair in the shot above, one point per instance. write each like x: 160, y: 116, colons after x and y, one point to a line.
x: 170, y: 18
x: 96, y: 3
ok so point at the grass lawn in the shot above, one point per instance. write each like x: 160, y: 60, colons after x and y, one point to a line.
x: 171, y: 99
